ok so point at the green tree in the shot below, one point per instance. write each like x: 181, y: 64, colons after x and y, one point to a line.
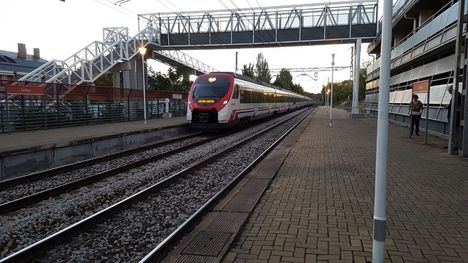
x: 297, y: 88
x: 176, y: 79
x: 158, y: 81
x: 343, y: 91
x: 284, y: 79
x: 263, y: 72
x: 104, y: 80
x: 362, y: 83
x: 248, y: 71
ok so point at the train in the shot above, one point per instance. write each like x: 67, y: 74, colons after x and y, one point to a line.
x: 220, y: 100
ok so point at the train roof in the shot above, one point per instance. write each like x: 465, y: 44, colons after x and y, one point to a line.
x: 242, y: 77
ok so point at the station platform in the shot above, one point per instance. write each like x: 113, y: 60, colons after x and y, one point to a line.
x: 317, y: 202
x: 32, y: 151
x: 62, y: 136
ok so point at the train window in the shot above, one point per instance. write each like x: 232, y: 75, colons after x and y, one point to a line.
x: 209, y: 91
x: 211, y: 87
x: 235, y: 94
x: 245, y: 96
x: 256, y: 97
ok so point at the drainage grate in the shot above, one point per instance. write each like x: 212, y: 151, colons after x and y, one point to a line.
x: 195, y: 259
x: 207, y: 243
x: 227, y: 222
x: 247, y: 197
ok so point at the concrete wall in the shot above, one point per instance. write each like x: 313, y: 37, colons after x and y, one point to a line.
x: 26, y: 161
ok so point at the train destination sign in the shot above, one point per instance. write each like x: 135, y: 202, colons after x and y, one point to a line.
x: 206, y: 101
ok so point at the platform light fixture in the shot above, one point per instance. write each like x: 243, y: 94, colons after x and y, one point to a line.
x: 142, y: 51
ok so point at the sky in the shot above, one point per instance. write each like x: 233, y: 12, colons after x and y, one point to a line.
x: 60, y: 29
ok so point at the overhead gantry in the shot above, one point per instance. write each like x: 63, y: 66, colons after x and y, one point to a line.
x: 318, y: 23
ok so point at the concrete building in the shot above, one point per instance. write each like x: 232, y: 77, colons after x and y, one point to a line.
x: 14, y: 65
x: 423, y: 51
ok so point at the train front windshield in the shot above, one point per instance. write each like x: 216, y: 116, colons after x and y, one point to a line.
x: 210, y: 89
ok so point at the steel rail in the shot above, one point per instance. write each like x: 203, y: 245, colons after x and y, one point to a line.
x: 77, y: 165
x: 25, y: 201
x: 41, y: 246
x: 162, y: 248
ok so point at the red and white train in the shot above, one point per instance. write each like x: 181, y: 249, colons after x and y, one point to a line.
x: 225, y: 99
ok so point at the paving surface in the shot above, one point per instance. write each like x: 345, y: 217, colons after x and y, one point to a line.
x: 319, y: 207
x: 213, y: 236
x: 28, y: 139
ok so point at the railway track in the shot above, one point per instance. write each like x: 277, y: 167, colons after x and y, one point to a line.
x: 34, y: 222
x: 32, y: 177
x: 165, y: 195
x: 23, y: 191
x: 53, y: 183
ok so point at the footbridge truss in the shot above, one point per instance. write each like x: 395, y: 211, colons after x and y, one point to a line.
x: 319, y: 23
x: 164, y: 34
x: 97, y: 58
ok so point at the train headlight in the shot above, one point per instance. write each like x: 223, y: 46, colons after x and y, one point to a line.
x: 225, y: 102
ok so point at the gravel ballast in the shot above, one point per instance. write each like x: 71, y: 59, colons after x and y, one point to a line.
x: 26, y: 226
x: 132, y: 233
x: 25, y: 189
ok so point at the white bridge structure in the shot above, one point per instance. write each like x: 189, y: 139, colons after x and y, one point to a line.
x: 117, y: 52
x: 164, y: 34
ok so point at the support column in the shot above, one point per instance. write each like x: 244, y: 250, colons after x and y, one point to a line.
x: 454, y: 143
x: 126, y: 79
x: 465, y: 123
x: 116, y: 76
x: 133, y: 74
x: 126, y: 68
x: 357, y: 65
x: 139, y: 74
x: 136, y: 75
x: 464, y: 119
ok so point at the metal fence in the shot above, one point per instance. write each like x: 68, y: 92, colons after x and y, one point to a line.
x: 31, y: 106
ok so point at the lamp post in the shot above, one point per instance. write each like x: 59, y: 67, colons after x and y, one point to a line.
x: 331, y: 87
x: 142, y: 51
x: 327, y: 95
x: 380, y: 195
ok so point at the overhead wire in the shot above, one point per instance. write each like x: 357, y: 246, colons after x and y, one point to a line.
x: 271, y: 35
x: 224, y: 4
x: 113, y: 7
x: 234, y: 4
x: 179, y: 11
x: 169, y: 2
x: 121, y: 2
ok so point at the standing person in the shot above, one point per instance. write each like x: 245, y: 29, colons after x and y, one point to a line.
x: 415, y: 111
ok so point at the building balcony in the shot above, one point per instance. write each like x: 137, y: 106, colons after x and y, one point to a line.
x: 436, y: 33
